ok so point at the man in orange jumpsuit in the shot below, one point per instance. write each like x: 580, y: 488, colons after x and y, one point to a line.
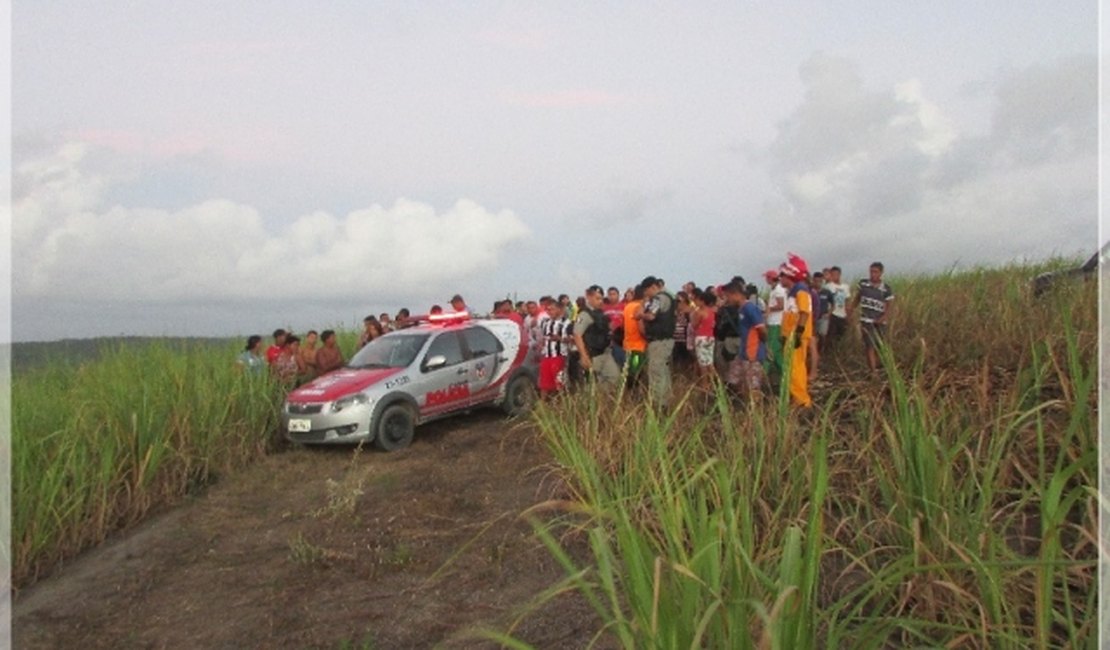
x: 797, y: 327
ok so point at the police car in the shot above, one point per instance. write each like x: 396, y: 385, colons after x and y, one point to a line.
x: 447, y: 364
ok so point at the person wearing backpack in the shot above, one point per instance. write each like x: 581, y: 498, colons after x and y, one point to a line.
x: 593, y: 339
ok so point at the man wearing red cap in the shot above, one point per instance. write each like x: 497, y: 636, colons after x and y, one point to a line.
x: 797, y: 327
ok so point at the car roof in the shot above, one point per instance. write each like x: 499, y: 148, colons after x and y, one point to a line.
x: 452, y: 324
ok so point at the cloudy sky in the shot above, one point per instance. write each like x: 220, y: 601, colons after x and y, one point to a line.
x: 217, y: 168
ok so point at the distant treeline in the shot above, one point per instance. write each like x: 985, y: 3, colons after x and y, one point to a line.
x: 31, y: 355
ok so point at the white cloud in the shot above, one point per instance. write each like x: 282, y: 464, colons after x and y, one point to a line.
x: 884, y: 174
x: 68, y: 245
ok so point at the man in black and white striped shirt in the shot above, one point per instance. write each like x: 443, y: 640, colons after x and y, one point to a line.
x: 555, y: 342
x: 874, y: 300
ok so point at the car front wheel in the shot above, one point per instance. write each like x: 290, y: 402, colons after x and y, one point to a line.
x: 519, y: 396
x: 395, y: 428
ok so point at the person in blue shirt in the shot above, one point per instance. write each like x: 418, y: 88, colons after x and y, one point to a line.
x: 745, y: 372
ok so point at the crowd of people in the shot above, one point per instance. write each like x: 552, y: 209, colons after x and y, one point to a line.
x: 290, y: 360
x: 751, y: 339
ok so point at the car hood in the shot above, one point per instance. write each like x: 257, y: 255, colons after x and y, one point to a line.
x: 337, y: 384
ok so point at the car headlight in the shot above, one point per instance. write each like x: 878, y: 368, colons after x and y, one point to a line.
x: 349, y: 401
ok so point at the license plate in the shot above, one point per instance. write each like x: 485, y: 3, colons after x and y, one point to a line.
x: 300, y: 425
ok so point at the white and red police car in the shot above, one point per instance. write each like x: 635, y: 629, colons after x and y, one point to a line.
x: 445, y: 365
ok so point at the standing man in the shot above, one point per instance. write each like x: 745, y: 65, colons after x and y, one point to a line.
x: 593, y: 338
x: 614, y: 311
x: 533, y: 324
x: 776, y: 304
x: 329, y: 357
x: 874, y: 299
x: 727, y: 328
x: 825, y: 303
x: 569, y: 308
x: 633, y: 341
x: 813, y: 356
x: 459, y: 305
x: 840, y: 296
x: 659, y: 324
x: 556, y: 344
x: 745, y: 371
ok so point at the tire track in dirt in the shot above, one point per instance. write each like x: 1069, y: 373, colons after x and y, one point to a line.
x: 324, y: 547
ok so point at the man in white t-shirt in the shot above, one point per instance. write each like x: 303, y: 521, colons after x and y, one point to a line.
x: 776, y: 303
x: 838, y: 316
x: 533, y: 324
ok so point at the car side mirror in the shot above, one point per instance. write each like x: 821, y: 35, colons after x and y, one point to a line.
x: 437, y: 361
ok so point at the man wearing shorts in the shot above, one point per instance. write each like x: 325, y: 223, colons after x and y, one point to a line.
x: 745, y: 371
x: 873, y: 299
x: 556, y: 345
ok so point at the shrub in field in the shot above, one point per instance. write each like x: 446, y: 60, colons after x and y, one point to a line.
x: 97, y: 446
x: 950, y: 504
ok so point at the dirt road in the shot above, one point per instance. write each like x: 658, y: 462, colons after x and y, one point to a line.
x: 327, y: 548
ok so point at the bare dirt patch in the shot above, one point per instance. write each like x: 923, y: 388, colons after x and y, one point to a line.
x: 328, y: 548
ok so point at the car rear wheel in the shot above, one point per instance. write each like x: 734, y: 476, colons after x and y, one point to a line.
x: 519, y: 396
x: 395, y: 428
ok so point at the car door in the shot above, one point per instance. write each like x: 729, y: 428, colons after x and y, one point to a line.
x: 484, y: 352
x: 444, y: 387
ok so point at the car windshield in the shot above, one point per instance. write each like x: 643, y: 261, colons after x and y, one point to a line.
x: 390, y: 351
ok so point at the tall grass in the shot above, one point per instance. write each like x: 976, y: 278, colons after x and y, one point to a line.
x: 98, y: 446
x: 951, y: 504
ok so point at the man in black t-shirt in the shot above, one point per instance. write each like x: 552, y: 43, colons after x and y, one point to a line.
x: 873, y: 298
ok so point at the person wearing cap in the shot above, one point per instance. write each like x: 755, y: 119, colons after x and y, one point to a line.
x: 776, y: 303
x: 797, y: 329
x: 659, y: 324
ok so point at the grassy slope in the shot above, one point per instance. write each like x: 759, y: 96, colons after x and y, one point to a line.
x: 951, y: 504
